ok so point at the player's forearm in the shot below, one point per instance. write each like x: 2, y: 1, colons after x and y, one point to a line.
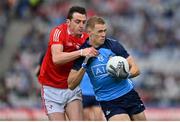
x: 64, y: 57
x: 134, y: 70
x: 75, y: 78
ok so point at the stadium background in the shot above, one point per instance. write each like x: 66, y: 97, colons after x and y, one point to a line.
x: 149, y: 29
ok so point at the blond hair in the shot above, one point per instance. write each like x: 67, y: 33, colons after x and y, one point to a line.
x: 93, y: 21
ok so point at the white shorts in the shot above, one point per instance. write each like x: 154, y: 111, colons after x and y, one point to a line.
x: 56, y: 99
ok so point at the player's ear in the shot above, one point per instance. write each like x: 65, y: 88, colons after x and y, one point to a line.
x: 88, y: 30
x: 68, y: 21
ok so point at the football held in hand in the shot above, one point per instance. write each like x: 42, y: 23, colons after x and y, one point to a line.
x: 118, y: 66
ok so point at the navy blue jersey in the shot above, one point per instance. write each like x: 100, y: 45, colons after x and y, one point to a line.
x: 106, y: 87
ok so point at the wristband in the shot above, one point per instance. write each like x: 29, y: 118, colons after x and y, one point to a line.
x: 81, y: 52
x: 84, y: 65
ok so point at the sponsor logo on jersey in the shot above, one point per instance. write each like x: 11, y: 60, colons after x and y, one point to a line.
x: 99, y: 70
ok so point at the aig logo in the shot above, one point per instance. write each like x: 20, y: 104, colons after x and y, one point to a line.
x: 99, y: 70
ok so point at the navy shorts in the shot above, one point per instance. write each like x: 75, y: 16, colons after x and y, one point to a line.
x: 129, y: 103
x: 89, y: 101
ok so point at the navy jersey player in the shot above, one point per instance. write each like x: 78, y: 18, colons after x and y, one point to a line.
x: 118, y: 99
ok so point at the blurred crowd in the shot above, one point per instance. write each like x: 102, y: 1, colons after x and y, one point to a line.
x: 145, y: 27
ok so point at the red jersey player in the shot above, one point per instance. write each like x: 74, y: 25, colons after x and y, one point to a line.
x: 63, y: 46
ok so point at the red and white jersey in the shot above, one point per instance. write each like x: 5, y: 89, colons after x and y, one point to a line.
x: 56, y: 75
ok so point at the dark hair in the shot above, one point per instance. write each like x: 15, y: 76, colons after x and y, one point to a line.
x: 74, y: 9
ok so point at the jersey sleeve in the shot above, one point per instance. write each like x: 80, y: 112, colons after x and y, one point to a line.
x: 56, y: 36
x: 78, y: 63
x: 118, y: 49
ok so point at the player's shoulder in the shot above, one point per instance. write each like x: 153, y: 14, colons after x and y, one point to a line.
x: 59, y: 31
x: 113, y: 42
x: 59, y: 28
x: 85, y: 35
x: 85, y: 44
x: 62, y: 26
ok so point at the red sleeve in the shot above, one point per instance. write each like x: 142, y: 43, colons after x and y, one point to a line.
x: 56, y: 36
x: 86, y: 36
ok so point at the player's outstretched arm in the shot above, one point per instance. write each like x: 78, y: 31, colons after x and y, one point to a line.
x: 75, y: 76
x: 60, y: 57
x: 134, y: 69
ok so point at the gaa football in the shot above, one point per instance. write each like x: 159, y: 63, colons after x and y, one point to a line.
x: 115, y: 61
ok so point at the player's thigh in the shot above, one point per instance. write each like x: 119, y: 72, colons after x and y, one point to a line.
x: 138, y: 117
x: 90, y: 114
x: 87, y: 114
x: 120, y: 117
x: 98, y: 113
x: 74, y: 110
x: 57, y: 116
x: 53, y: 101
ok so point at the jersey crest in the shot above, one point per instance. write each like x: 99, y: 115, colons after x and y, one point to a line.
x: 100, y: 58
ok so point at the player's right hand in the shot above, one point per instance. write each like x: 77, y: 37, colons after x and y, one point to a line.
x: 90, y: 52
x: 119, y: 71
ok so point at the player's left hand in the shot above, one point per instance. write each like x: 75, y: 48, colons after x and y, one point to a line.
x: 84, y: 64
x: 119, y: 71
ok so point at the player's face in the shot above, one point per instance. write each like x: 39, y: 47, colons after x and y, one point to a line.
x: 98, y: 34
x: 77, y: 24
